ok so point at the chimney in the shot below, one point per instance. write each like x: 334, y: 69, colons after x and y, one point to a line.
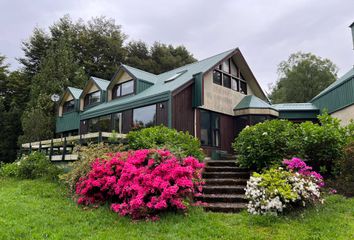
x: 352, y: 27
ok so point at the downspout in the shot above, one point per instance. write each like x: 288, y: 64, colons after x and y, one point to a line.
x: 169, y: 121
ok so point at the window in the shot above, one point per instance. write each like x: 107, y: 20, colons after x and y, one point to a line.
x: 69, y: 106
x: 243, y: 87
x: 234, y: 84
x: 144, y: 116
x: 210, y: 129
x: 92, y: 98
x: 226, y: 81
x: 104, y: 123
x: 93, y: 125
x: 233, y: 69
x: 227, y: 74
x: 217, y: 77
x: 117, y: 122
x: 122, y: 89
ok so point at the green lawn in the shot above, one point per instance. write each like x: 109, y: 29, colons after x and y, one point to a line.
x: 41, y: 210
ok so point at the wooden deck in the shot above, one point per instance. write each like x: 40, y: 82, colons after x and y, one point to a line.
x: 61, y: 149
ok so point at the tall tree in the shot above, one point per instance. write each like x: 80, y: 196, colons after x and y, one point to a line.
x: 301, y: 77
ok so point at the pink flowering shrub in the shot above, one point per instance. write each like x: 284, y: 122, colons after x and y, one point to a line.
x: 142, y: 183
x: 297, y: 165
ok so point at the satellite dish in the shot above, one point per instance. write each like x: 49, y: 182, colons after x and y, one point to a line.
x: 55, y: 97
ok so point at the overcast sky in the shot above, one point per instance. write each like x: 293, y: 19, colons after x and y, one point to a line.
x: 267, y: 32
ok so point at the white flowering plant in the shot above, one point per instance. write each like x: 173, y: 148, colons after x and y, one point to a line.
x: 278, y: 189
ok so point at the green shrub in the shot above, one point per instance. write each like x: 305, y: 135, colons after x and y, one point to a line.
x: 9, y: 169
x: 181, y: 144
x: 265, y: 144
x: 88, y: 154
x: 345, y: 182
x: 322, y: 145
x: 35, y: 165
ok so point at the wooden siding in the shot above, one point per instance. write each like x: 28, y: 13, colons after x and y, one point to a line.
x: 227, y: 132
x: 182, y: 111
x: 127, y: 116
x: 162, y: 113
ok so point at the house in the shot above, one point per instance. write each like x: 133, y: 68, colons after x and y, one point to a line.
x: 213, y: 99
x: 200, y: 98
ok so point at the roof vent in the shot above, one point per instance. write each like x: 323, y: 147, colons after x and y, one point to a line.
x: 177, y: 75
x: 352, y: 27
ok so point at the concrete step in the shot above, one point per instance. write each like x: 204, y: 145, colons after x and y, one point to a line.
x: 236, y: 175
x: 223, y: 198
x: 224, y: 169
x: 231, y: 163
x: 225, y: 189
x: 225, y: 181
x: 226, y: 207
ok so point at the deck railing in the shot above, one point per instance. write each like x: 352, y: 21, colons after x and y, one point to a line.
x: 61, y: 149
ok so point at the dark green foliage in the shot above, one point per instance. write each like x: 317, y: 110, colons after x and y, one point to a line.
x: 157, y: 59
x: 345, y: 181
x: 268, y: 143
x: 322, y: 145
x: 35, y: 165
x: 182, y: 144
x: 301, y: 77
x: 265, y: 144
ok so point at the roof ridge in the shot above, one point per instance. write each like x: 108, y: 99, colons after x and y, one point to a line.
x: 230, y: 50
x: 138, y: 69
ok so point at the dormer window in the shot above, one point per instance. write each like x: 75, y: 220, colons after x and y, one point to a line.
x: 69, y: 106
x: 123, y: 89
x: 92, y: 98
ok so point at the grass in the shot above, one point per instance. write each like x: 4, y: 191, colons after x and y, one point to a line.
x: 38, y: 209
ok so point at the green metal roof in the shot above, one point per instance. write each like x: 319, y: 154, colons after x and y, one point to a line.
x: 160, y: 91
x: 140, y: 74
x: 251, y: 101
x: 101, y: 83
x: 295, y: 106
x: 68, y: 122
x: 338, y: 95
x: 75, y: 92
x: 346, y: 77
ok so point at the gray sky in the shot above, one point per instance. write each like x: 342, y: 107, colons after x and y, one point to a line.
x: 267, y: 32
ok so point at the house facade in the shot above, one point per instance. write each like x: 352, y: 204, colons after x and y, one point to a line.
x: 213, y: 99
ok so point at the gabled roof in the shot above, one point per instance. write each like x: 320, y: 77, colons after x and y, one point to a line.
x: 346, y: 77
x: 140, y: 74
x: 101, y: 83
x: 75, y: 92
x: 251, y: 101
x: 295, y: 107
x: 161, y: 89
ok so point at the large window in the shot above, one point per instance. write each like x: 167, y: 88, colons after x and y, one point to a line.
x: 123, y: 89
x: 228, y: 75
x: 92, y: 98
x: 69, y: 106
x: 117, y: 122
x: 144, y: 116
x: 210, y: 129
x: 104, y: 123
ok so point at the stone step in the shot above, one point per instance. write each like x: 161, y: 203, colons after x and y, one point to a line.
x: 225, y: 181
x: 226, y: 189
x: 231, y: 163
x: 226, y: 207
x: 224, y: 169
x: 223, y: 198
x: 215, y: 175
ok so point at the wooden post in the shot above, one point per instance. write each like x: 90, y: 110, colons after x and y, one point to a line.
x: 51, y: 150
x: 30, y: 148
x: 40, y: 146
x: 80, y: 141
x: 64, y: 150
x: 99, y: 136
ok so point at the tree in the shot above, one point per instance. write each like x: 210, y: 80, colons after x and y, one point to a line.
x: 301, y: 77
